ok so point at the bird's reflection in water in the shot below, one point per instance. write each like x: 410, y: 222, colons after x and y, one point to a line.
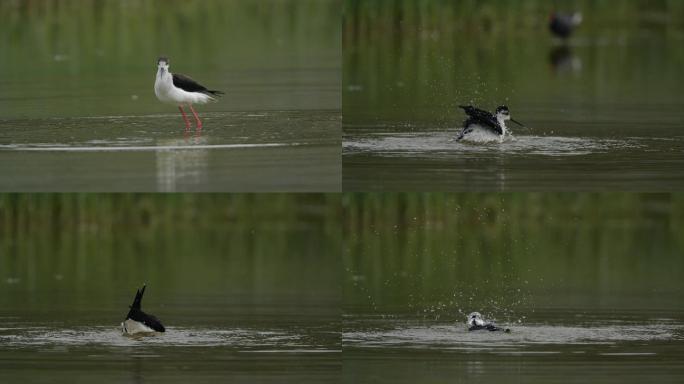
x: 181, y: 167
x: 562, y: 60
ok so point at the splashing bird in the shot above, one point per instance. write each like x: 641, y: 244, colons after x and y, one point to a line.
x: 138, y: 321
x: 180, y: 90
x: 475, y: 322
x: 481, y: 123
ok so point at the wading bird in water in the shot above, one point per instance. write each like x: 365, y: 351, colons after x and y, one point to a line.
x: 475, y: 322
x: 180, y: 90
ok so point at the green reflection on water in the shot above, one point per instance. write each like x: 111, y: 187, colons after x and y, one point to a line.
x: 436, y: 254
x: 417, y: 60
x: 214, y: 254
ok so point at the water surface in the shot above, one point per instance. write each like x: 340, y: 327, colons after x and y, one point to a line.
x: 556, y: 346
x: 235, y: 151
x: 601, y: 109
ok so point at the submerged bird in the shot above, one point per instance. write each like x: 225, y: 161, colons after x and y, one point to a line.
x: 138, y: 321
x: 484, y: 126
x: 181, y: 90
x: 562, y: 25
x: 475, y: 322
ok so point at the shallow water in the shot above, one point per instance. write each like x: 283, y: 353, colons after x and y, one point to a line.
x: 235, y: 151
x: 418, y: 157
x: 557, y: 346
x: 273, y: 353
x: 252, y: 340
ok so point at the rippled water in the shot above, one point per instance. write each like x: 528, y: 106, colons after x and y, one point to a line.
x: 181, y: 354
x: 245, y: 340
x: 555, y: 349
x: 267, y: 150
x: 521, y: 337
x: 443, y: 144
x: 382, y: 158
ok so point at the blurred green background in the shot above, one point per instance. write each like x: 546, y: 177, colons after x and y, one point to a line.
x: 435, y: 254
x: 207, y: 258
x: 95, y: 57
x: 412, y: 61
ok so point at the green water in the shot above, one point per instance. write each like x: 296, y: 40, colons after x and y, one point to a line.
x: 589, y: 284
x: 603, y: 111
x: 77, y: 82
x: 247, y: 286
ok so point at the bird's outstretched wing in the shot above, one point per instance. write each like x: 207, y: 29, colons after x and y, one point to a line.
x: 481, y: 117
x: 189, y: 85
x: 137, y: 301
x: 138, y: 298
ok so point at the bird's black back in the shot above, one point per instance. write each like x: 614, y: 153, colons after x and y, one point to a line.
x: 189, y: 85
x: 562, y: 25
x: 488, y: 327
x: 146, y: 319
x: 481, y: 117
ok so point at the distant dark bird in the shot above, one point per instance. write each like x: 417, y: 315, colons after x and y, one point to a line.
x: 475, y: 322
x: 562, y: 25
x: 484, y: 126
x: 181, y: 90
x: 138, y: 321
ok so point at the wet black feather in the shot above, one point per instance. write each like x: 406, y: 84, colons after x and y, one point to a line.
x: 481, y: 118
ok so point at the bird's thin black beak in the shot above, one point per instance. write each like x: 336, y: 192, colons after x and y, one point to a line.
x: 519, y: 123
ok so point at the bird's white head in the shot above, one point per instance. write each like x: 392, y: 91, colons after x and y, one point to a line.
x: 163, y: 65
x: 502, y: 113
x: 475, y: 318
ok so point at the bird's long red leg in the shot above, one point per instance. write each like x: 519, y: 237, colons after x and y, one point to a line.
x: 199, y: 122
x: 185, y: 118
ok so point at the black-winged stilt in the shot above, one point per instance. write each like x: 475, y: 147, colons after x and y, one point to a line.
x: 181, y: 90
x: 562, y: 25
x: 138, y: 321
x: 475, y: 322
x: 484, y: 123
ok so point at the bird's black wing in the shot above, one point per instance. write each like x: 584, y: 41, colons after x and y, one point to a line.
x: 488, y: 327
x: 137, y: 301
x: 481, y: 117
x: 189, y: 85
x: 148, y: 320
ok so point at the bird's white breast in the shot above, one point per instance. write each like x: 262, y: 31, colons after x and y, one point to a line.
x: 132, y: 327
x: 168, y: 93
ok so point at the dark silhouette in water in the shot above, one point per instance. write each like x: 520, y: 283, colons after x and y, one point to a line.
x: 562, y: 60
x: 563, y: 25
